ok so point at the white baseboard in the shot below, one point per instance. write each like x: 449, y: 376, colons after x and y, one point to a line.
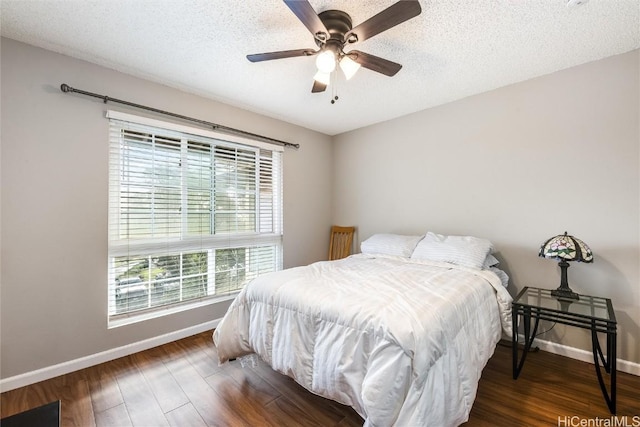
x: 33, y: 377
x: 583, y: 355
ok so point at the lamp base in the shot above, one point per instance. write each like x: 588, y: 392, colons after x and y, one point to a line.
x: 565, y: 293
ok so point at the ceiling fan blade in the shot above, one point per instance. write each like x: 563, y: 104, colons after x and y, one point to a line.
x: 257, y: 57
x: 305, y: 13
x: 395, y: 14
x: 375, y: 63
x: 318, y: 87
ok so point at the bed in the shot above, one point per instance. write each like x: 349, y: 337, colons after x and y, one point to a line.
x: 400, y: 332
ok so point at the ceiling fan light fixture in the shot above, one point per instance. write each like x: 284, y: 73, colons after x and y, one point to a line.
x: 333, y: 30
x: 322, y: 77
x: 326, y: 61
x: 349, y: 67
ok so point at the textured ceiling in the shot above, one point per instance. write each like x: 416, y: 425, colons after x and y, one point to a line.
x: 454, y: 49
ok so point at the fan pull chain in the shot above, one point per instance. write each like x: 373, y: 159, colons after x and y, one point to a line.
x: 334, y: 87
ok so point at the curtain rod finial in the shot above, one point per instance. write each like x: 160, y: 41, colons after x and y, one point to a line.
x: 64, y: 87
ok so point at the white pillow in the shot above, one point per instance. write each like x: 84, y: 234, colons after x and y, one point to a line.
x: 466, y: 251
x: 390, y: 244
x: 504, y: 278
x: 490, y: 261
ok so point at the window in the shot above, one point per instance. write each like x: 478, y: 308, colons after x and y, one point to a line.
x: 193, y: 215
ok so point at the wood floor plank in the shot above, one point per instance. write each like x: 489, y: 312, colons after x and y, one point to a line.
x: 76, y: 406
x: 200, y: 360
x: 103, y: 386
x: 285, y: 413
x: 142, y: 406
x: 185, y: 415
x: 211, y: 407
x: 204, y: 341
x: 248, y: 379
x: 242, y: 398
x: 76, y: 409
x: 165, y: 388
x: 13, y: 402
x: 301, y: 398
x: 114, y: 416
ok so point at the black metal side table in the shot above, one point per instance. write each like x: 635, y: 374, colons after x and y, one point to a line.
x: 588, y: 312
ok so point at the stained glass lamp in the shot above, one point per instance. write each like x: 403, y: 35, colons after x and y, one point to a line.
x: 565, y: 248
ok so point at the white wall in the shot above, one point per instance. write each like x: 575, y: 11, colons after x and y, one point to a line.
x: 54, y: 204
x: 516, y: 165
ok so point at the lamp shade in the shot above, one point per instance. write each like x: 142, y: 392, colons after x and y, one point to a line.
x: 566, y: 247
x: 349, y: 67
x: 326, y: 61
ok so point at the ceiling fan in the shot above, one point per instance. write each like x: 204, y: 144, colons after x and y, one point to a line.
x: 333, y: 31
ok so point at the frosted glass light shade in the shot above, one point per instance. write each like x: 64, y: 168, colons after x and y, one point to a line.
x: 326, y: 61
x: 349, y: 67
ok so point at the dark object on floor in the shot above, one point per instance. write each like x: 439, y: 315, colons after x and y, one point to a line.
x: 43, y: 416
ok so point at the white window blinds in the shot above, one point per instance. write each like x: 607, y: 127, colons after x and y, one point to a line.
x: 191, y: 216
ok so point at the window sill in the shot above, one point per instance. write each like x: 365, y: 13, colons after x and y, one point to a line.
x: 128, y: 319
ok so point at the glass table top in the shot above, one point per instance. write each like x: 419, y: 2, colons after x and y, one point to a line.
x: 586, y: 306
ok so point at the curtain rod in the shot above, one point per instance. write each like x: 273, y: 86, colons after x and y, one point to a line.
x: 66, y: 88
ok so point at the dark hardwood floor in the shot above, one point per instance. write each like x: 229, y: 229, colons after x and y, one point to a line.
x: 181, y: 384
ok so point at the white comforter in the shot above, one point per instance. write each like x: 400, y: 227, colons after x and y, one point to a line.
x: 402, y: 342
